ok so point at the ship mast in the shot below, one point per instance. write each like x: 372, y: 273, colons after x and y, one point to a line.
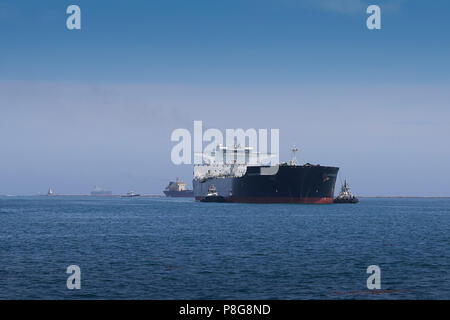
x: 293, y: 161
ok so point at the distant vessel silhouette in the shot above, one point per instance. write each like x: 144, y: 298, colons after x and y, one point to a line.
x: 50, y: 192
x: 178, y: 189
x: 97, y: 191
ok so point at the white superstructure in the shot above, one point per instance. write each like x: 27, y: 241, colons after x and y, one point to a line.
x: 228, y: 162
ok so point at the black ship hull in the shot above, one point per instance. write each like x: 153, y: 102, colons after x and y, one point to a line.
x: 290, y: 184
x: 179, y: 194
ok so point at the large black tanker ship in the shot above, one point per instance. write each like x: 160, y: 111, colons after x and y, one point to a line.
x: 246, y: 183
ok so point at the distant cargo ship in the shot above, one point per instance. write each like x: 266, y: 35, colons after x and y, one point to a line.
x: 100, y: 192
x: 178, y: 189
x: 258, y: 183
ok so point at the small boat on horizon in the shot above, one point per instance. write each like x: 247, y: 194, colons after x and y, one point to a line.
x: 131, y: 194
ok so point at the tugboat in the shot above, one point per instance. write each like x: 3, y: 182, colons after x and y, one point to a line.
x: 346, y: 196
x: 130, y: 194
x: 213, y: 195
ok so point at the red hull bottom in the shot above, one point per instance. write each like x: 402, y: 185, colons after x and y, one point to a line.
x: 306, y: 200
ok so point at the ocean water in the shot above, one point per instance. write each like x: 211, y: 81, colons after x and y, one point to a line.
x: 159, y: 248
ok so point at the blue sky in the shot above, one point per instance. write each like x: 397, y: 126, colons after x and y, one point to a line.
x: 97, y: 106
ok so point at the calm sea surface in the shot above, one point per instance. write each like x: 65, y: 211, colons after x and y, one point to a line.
x: 158, y: 248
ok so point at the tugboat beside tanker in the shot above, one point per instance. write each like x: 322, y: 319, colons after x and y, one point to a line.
x: 346, y: 195
x: 213, y: 196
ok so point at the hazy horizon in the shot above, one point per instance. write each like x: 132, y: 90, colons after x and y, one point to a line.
x: 96, y: 107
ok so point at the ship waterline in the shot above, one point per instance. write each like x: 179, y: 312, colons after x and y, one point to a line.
x: 305, y: 200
